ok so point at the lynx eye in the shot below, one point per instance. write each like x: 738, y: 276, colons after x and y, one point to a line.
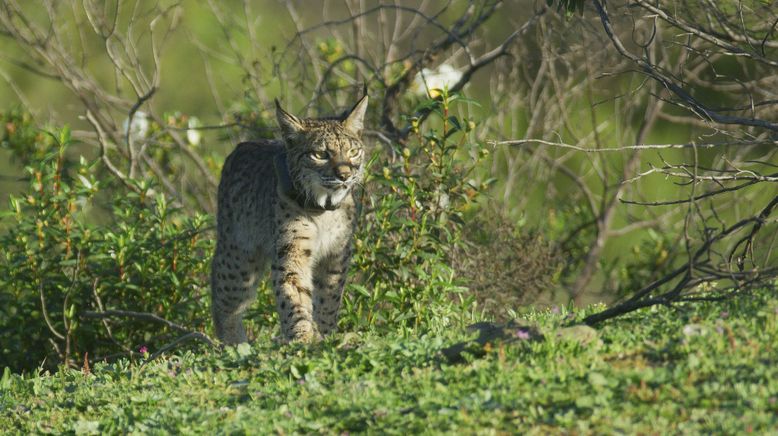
x: 320, y: 155
x: 354, y: 152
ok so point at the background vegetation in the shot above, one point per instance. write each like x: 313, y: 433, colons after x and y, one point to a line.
x: 550, y: 153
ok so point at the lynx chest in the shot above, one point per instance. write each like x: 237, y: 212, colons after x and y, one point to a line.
x: 332, y: 233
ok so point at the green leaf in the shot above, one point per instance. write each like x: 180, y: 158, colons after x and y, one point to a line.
x: 64, y: 135
x: 244, y: 349
x: 295, y: 372
x: 5, y: 381
x: 597, y: 380
x: 86, y: 427
x: 584, y: 402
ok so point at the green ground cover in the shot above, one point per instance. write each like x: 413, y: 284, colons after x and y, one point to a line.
x: 702, y: 368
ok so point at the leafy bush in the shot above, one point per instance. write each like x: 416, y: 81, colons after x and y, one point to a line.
x: 19, y: 135
x: 57, y: 265
x: 415, y: 207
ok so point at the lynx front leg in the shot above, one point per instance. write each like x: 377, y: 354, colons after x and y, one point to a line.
x: 234, y: 277
x: 292, y: 284
x: 329, y: 282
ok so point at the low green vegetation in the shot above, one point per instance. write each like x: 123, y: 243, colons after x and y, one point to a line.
x: 693, y: 369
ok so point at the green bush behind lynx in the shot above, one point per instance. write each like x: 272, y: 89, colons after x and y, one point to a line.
x: 57, y: 263
x: 415, y: 207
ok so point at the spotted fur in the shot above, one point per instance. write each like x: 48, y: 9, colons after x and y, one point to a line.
x: 288, y: 204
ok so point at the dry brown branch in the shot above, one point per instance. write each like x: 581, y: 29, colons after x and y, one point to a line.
x: 144, y: 316
x: 744, y: 279
x: 705, y: 246
x: 191, y: 336
x: 743, y: 143
x: 685, y: 99
x: 188, y: 335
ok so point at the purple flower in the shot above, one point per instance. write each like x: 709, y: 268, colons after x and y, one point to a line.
x: 724, y: 314
x: 143, y: 349
x: 522, y: 334
x: 556, y: 310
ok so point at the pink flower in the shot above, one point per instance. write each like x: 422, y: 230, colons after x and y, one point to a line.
x: 522, y: 334
x: 143, y: 349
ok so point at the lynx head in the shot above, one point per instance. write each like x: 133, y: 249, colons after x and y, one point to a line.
x: 325, y: 156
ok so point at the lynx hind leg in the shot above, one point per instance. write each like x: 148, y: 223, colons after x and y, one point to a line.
x: 234, y: 277
x: 328, y: 284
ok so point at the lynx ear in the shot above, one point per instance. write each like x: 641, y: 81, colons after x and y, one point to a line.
x: 289, y: 123
x: 354, y: 121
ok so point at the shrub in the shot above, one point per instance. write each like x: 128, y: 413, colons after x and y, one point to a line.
x: 415, y: 203
x: 58, y: 265
x: 19, y: 135
x: 505, y: 267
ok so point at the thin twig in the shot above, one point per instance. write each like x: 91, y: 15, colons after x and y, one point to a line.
x: 144, y: 316
x: 532, y: 141
x: 197, y: 336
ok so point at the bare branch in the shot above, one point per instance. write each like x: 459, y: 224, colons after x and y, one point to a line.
x: 685, y: 98
x: 143, y: 316
x: 623, y: 148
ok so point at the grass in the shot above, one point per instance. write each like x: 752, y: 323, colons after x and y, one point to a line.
x: 703, y: 368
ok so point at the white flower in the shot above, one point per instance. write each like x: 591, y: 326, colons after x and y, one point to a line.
x: 435, y: 80
x: 192, y: 134
x: 139, y: 127
x: 443, y: 200
x: 694, y: 330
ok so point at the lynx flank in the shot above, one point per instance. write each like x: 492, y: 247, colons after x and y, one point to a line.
x: 289, y: 204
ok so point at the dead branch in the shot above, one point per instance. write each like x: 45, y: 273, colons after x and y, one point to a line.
x: 743, y: 280
x: 685, y: 98
x: 743, y: 143
x: 143, y: 316
x: 191, y: 336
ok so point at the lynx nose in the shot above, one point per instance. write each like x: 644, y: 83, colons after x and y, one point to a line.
x: 343, y: 172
